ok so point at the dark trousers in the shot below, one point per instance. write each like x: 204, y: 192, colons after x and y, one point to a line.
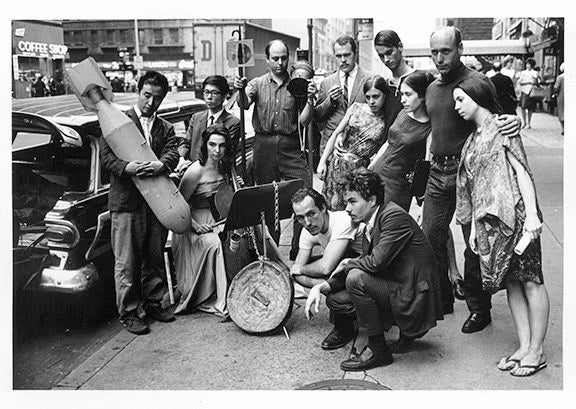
x: 439, y: 207
x: 279, y: 157
x: 138, y: 241
x: 365, y: 298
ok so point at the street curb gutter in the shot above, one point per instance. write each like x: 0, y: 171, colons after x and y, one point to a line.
x: 83, y: 373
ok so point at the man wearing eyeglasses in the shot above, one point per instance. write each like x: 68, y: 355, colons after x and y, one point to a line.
x: 215, y: 89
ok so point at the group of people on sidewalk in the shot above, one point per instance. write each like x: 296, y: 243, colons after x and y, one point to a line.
x: 379, y: 268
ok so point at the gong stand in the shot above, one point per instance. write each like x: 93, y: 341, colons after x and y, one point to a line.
x: 254, y: 205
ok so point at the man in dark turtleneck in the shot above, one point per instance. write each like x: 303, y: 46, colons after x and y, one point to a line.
x: 449, y: 132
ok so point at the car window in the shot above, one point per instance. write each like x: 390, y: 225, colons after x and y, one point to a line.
x: 26, y: 140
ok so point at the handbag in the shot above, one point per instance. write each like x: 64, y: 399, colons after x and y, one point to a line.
x: 420, y: 178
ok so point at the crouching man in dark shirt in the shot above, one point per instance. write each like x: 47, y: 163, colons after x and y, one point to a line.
x: 393, y: 282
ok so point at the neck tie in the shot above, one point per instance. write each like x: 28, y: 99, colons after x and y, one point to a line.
x: 345, y: 88
x: 211, y: 120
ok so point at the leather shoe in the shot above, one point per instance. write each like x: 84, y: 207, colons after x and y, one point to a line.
x: 158, y: 313
x: 476, y: 322
x: 337, y: 338
x: 367, y: 359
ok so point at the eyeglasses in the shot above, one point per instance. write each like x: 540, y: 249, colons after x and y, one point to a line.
x: 213, y: 93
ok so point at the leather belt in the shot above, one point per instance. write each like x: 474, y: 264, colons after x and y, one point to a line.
x: 442, y: 159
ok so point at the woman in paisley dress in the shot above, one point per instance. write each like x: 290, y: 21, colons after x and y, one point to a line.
x: 355, y: 141
x: 496, y: 194
x: 198, y: 254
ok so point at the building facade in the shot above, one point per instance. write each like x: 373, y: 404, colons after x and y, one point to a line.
x: 38, y: 50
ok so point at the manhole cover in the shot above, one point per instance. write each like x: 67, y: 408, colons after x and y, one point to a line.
x: 343, y: 385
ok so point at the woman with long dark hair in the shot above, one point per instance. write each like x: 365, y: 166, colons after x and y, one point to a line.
x: 355, y: 141
x: 198, y: 254
x: 497, y: 196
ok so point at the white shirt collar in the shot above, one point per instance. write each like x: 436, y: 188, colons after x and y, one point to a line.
x: 351, y: 74
x: 149, y: 119
x: 216, y: 116
x: 371, y: 222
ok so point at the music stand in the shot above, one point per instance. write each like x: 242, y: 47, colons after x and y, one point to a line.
x: 255, y: 204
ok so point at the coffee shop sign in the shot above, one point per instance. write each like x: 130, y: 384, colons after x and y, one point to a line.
x: 31, y: 48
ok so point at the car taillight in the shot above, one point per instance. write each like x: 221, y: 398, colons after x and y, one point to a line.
x: 62, y: 235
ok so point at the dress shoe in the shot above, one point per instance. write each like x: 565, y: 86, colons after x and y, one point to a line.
x: 367, y: 359
x: 476, y: 322
x: 154, y: 310
x: 338, y: 338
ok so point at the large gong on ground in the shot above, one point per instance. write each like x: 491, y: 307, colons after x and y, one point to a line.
x: 261, y: 297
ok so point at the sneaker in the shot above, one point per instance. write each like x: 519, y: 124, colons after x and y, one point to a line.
x: 154, y: 310
x: 134, y: 324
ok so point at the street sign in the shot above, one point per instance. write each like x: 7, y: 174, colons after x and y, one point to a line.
x: 240, y: 49
x: 365, y: 29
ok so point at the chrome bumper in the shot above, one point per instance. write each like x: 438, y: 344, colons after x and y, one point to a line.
x: 65, y: 281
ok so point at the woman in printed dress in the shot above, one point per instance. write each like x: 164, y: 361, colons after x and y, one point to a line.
x: 496, y: 194
x: 355, y: 141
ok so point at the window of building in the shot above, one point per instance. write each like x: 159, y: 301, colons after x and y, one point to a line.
x: 124, y: 36
x: 173, y: 34
x: 110, y: 36
x: 158, y: 36
x: 94, y: 37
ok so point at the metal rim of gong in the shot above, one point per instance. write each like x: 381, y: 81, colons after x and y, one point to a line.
x: 343, y: 384
x: 236, y: 303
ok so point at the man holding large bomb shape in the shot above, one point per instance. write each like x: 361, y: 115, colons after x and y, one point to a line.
x: 138, y: 238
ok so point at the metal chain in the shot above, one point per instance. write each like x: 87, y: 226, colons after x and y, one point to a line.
x: 276, y: 208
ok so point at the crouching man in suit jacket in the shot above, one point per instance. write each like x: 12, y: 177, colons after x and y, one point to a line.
x: 394, y: 282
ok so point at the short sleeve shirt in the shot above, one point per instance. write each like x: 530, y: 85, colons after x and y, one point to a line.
x: 275, y: 109
x: 340, y: 227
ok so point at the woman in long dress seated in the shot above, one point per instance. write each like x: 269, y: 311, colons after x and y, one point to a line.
x: 198, y: 254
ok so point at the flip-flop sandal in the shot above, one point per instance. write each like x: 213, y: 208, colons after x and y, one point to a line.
x: 535, y: 369
x: 505, y: 366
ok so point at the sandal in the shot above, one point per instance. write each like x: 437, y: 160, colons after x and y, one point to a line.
x: 507, y: 364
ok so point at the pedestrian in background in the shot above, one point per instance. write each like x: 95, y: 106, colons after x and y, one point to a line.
x: 497, y: 197
x: 527, y: 80
x: 559, y: 92
x: 504, y: 89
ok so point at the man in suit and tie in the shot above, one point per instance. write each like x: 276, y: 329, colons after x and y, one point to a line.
x: 138, y: 238
x: 215, y: 89
x: 341, y: 89
x: 394, y: 282
x: 504, y: 89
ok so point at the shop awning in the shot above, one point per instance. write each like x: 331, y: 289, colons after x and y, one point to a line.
x: 475, y: 47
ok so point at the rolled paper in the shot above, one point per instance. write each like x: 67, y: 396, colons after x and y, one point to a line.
x: 522, y: 244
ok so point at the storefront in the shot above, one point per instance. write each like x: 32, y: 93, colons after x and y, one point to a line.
x: 38, y: 50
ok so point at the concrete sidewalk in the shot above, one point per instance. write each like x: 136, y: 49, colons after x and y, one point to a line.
x: 198, y: 352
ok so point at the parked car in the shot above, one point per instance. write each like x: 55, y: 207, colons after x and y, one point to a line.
x: 61, y: 224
